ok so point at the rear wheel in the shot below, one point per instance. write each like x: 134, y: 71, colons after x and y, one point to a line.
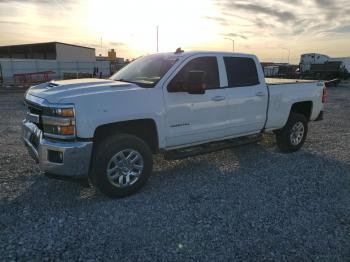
x: 292, y: 136
x: 121, y: 165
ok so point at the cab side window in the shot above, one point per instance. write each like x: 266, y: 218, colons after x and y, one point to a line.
x: 208, y: 65
x: 241, y: 71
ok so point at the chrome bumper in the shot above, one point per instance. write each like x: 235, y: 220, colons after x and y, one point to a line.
x: 74, y: 156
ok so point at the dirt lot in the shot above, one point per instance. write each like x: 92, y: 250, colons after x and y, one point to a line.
x: 246, y: 203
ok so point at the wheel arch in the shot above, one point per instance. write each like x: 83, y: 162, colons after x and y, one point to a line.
x: 145, y: 129
x: 304, y: 108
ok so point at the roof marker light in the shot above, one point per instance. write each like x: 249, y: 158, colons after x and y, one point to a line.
x: 179, y: 51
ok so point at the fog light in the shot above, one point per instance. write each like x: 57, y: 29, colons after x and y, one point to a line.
x: 55, y: 156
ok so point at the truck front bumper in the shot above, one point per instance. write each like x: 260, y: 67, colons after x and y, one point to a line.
x: 57, y: 157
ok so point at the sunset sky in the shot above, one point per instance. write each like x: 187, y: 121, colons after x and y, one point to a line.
x: 266, y: 28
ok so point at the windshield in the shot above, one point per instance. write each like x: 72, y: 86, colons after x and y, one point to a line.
x: 146, y: 71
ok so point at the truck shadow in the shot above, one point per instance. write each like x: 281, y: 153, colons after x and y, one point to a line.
x: 249, y: 167
x: 236, y: 196
x: 253, y: 167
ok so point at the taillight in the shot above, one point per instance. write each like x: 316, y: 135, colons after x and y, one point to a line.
x: 324, y: 95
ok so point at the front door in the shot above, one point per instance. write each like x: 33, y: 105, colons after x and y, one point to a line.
x: 195, y: 118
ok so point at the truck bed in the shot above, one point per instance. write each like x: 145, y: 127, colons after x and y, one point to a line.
x: 280, y: 81
x: 285, y: 92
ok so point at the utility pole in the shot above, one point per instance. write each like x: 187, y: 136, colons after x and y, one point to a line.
x: 287, y: 49
x: 101, y: 46
x: 157, y: 37
x: 288, y: 55
x: 233, y: 43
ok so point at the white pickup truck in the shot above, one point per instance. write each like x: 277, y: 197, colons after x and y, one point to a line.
x: 178, y: 104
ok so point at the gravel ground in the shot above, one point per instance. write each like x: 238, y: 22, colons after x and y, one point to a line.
x: 247, y: 203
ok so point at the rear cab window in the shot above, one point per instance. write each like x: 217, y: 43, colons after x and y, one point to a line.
x: 241, y: 71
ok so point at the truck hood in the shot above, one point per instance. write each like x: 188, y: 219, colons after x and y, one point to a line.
x: 56, y: 91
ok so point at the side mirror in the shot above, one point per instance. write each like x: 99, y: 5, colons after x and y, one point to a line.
x: 195, y: 82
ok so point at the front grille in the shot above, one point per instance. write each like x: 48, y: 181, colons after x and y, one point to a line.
x: 34, y: 140
x: 37, y: 110
x: 34, y: 109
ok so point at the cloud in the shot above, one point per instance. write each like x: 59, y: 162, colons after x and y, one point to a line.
x: 107, y: 45
x: 37, y: 1
x: 257, y: 23
x: 117, y: 43
x: 5, y: 22
x: 285, y: 18
x: 341, y: 29
x: 332, y: 9
x: 263, y: 24
x: 42, y: 6
x: 220, y: 20
x: 96, y: 46
x: 325, y: 3
x: 257, y: 8
x: 289, y: 2
x: 225, y: 22
x: 236, y: 35
x: 41, y: 26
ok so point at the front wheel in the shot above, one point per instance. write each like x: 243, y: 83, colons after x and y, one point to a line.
x: 292, y: 136
x: 121, y: 165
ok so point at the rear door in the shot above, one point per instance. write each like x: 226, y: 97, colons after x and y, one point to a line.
x: 247, y: 96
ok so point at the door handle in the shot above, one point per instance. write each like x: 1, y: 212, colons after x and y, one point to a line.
x: 218, y: 98
x: 260, y: 94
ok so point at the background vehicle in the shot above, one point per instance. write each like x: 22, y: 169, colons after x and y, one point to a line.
x: 177, y: 104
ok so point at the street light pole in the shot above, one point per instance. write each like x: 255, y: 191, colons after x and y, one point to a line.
x: 101, y: 46
x: 233, y: 43
x: 287, y: 49
x: 157, y: 37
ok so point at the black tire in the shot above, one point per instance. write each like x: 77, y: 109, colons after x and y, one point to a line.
x: 104, y: 152
x: 284, y: 135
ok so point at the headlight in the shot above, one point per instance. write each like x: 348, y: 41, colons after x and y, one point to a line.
x: 59, y: 122
x: 65, y: 112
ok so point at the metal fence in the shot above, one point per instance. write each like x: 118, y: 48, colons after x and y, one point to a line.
x: 57, y: 69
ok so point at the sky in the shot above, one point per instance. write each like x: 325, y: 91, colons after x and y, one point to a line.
x: 272, y: 29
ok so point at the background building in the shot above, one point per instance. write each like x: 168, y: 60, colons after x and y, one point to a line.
x: 281, y: 70
x: 51, y: 50
x: 112, y: 55
x: 28, y: 64
x: 116, y: 63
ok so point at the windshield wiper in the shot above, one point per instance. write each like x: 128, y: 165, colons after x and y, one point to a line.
x: 136, y: 83
x: 123, y: 80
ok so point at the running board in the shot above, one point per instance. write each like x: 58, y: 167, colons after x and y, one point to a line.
x: 210, y: 147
